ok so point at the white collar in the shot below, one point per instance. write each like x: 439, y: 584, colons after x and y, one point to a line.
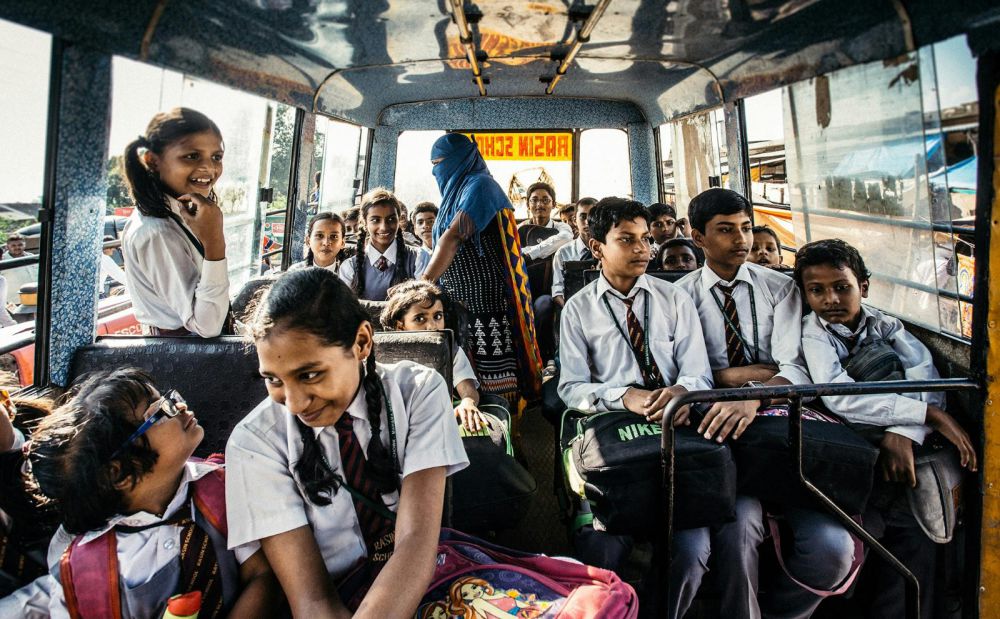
x: 842, y: 330
x: 603, y: 286
x: 193, y: 471
x: 709, y: 278
x: 373, y: 254
x: 358, y: 409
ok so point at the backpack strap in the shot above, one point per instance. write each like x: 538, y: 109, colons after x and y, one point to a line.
x: 859, y: 557
x: 89, y: 575
x: 209, y: 496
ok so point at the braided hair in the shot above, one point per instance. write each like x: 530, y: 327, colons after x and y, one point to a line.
x: 148, y: 192
x: 316, y: 302
x: 403, y: 268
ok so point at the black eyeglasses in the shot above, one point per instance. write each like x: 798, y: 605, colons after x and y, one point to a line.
x: 164, y: 408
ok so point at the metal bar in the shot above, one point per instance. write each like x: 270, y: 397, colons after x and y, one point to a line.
x: 293, y: 185
x: 11, y: 263
x: 664, y: 538
x: 900, y: 223
x: 465, y: 37
x: 795, y: 439
x: 582, y: 36
x: 277, y: 211
x: 273, y: 253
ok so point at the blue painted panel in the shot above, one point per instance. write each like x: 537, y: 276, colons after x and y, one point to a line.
x: 642, y: 155
x: 80, y: 192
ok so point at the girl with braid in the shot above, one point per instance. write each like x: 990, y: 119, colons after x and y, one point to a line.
x: 385, y: 259
x: 340, y: 473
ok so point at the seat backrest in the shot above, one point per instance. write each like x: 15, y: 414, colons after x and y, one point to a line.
x: 670, y: 276
x: 573, y: 276
x: 219, y: 378
x: 539, y: 271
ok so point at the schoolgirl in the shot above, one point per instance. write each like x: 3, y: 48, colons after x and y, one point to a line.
x: 173, y: 243
x: 116, y: 461
x: 419, y: 305
x: 324, y: 242
x: 340, y: 473
x: 385, y: 259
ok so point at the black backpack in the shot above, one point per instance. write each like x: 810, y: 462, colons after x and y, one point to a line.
x: 616, y: 456
x: 875, y: 360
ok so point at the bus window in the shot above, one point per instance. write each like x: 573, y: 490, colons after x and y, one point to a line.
x: 604, y: 164
x: 668, y: 186
x: 338, y: 147
x: 414, y: 180
x: 697, y: 151
x: 142, y: 90
x: 768, y: 181
x: 24, y: 101
x: 890, y: 181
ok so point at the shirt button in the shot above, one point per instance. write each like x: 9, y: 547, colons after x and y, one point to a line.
x: 169, y: 544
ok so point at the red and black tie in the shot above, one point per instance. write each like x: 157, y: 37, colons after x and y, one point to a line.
x: 651, y: 377
x: 735, y: 350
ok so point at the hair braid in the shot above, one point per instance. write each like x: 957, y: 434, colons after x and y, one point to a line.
x: 358, y: 283
x: 319, y: 481
x: 380, y: 466
x: 402, y: 270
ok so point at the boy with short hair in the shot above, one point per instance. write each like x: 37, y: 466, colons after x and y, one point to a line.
x: 424, y: 215
x: 567, y: 215
x: 614, y: 357
x: 834, y: 280
x: 766, y: 248
x: 751, y: 320
x: 578, y: 250
x: 662, y: 222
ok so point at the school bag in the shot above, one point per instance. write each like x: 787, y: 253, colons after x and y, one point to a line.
x: 475, y: 579
x: 835, y: 458
x: 494, y: 491
x: 613, y: 459
x: 89, y: 572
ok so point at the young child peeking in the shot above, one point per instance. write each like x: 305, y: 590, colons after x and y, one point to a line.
x: 420, y: 306
x: 141, y: 519
x: 766, y: 248
x: 834, y: 280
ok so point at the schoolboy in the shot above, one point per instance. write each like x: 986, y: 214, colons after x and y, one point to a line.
x: 567, y: 215
x: 751, y: 320
x: 766, y: 248
x: 834, y: 279
x: 579, y: 249
x: 662, y: 222
x: 424, y: 215
x: 541, y: 201
x: 603, y: 370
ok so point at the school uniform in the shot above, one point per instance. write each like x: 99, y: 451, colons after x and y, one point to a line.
x: 264, y: 496
x: 462, y: 370
x: 575, y: 251
x: 599, y: 365
x: 165, y: 271
x: 304, y: 264
x: 149, y: 558
x: 381, y: 267
x: 768, y: 307
x: 550, y: 245
x: 826, y: 348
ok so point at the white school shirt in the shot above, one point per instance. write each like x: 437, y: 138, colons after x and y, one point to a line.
x: 566, y: 253
x: 109, y: 268
x: 144, y: 553
x: 550, y: 245
x: 170, y: 284
x: 264, y: 496
x: 779, y: 317
x: 375, y: 279
x: 825, y: 353
x: 333, y: 266
x: 462, y: 370
x: 598, y: 364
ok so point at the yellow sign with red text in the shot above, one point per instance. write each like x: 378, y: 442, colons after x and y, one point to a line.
x: 524, y: 146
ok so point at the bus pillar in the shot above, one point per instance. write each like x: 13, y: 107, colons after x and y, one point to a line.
x: 642, y: 154
x: 737, y: 149
x: 76, y: 194
x: 299, y: 185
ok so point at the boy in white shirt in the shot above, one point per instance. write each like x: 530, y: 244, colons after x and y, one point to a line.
x: 751, y: 319
x: 834, y: 280
x: 579, y: 249
x: 614, y: 357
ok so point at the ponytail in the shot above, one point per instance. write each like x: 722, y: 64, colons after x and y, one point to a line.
x: 147, y: 193
x: 358, y: 283
x: 403, y: 270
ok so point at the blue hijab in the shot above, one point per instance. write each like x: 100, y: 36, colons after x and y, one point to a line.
x: 466, y: 185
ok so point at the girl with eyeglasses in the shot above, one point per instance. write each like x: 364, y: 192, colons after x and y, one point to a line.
x: 116, y: 461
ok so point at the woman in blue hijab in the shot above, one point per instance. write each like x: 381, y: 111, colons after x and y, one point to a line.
x: 477, y: 259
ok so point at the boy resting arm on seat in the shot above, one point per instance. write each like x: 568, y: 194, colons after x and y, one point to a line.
x: 629, y: 341
x: 834, y: 280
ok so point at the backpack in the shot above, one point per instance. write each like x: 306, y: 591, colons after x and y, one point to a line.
x: 494, y: 491
x: 475, y: 579
x: 874, y: 360
x: 89, y: 573
x: 613, y: 459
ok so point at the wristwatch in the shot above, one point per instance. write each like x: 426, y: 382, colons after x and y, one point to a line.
x: 764, y: 402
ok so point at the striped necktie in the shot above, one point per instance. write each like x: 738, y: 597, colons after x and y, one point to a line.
x: 651, y: 376
x: 735, y: 351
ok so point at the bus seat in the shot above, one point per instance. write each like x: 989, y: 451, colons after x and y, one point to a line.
x: 573, y: 276
x: 219, y: 378
x: 539, y: 271
x: 669, y: 276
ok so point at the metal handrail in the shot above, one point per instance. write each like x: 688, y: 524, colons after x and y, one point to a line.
x: 13, y: 263
x: 794, y: 394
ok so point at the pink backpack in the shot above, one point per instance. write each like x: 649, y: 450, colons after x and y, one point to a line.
x: 475, y: 579
x: 89, y: 573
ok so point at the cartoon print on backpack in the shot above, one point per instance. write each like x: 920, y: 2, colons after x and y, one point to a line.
x: 471, y: 597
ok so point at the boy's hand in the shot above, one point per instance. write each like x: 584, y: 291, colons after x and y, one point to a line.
x: 635, y: 400
x: 949, y: 428
x: 657, y: 402
x: 725, y: 418
x: 469, y: 414
x: 897, y: 459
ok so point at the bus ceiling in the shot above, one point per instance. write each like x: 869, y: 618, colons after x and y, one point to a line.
x: 353, y: 59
